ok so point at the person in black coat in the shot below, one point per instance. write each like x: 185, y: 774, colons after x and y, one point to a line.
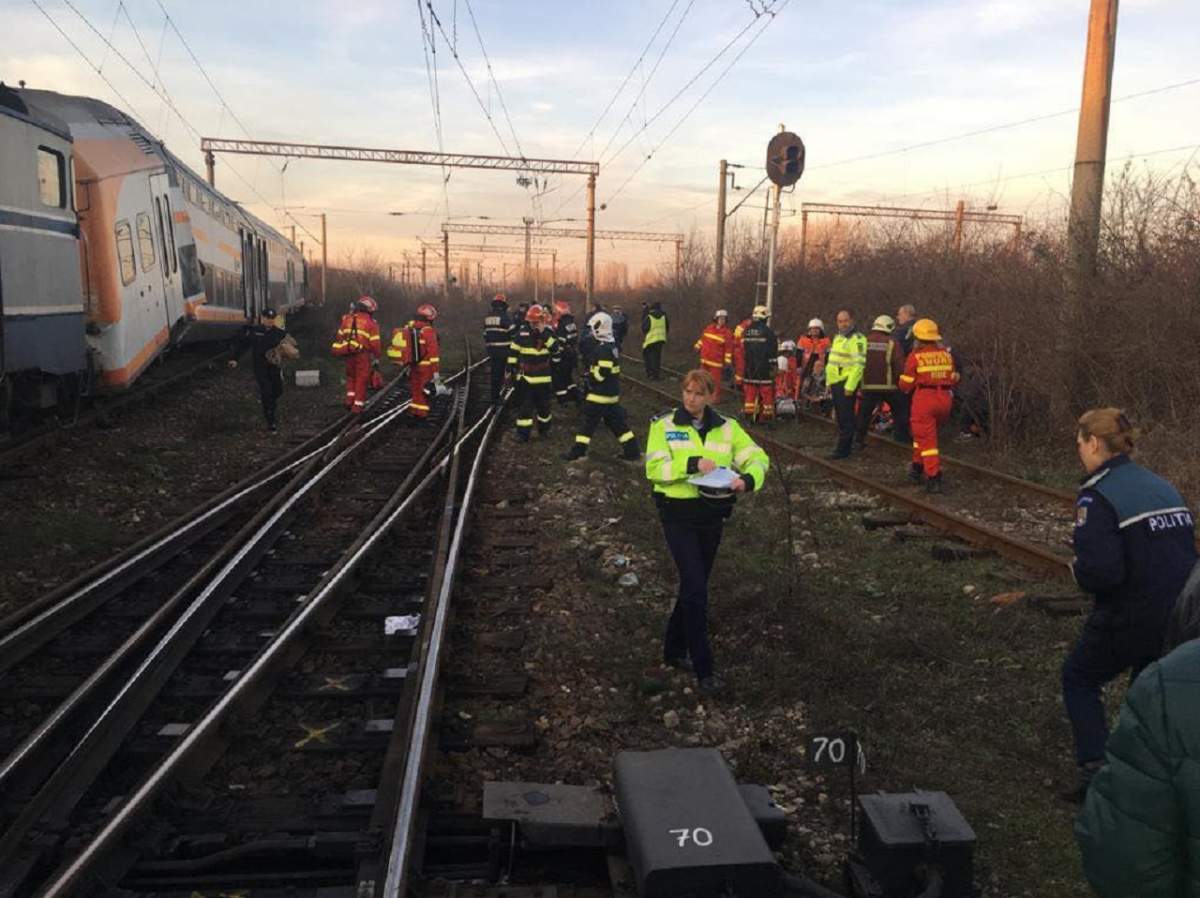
x: 262, y: 338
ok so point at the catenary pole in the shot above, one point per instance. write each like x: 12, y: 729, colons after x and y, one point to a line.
x: 775, y: 202
x: 720, y: 266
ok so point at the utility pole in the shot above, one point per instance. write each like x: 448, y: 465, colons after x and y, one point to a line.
x: 803, y: 237
x: 479, y: 279
x: 771, y: 251
x: 591, y: 239
x: 445, y: 266
x: 553, y: 272
x: 324, y: 260
x: 528, y: 222
x: 959, y: 209
x: 1087, y: 187
x: 721, y: 229
x: 210, y: 167
x: 537, y: 279
x: 424, y: 282
x: 678, y: 264
x: 293, y: 235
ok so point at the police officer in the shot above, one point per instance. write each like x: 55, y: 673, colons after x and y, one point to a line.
x: 603, y: 399
x: 1135, y: 545
x: 655, y: 326
x: 843, y: 374
x: 497, y: 335
x: 567, y: 332
x: 683, y: 443
x: 263, y: 337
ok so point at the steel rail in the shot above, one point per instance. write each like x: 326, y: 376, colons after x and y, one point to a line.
x: 68, y: 876
x: 1024, y: 553
x: 399, y: 861
x: 96, y: 585
x: 1029, y: 486
x: 84, y: 750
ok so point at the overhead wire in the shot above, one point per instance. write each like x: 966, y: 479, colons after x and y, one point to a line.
x: 428, y: 44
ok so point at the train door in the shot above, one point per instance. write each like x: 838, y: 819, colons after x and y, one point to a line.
x: 246, y: 241
x: 164, y: 225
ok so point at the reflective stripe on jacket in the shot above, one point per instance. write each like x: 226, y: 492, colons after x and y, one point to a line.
x: 760, y: 348
x: 674, y: 448
x: 715, y: 346
x: 656, y: 328
x: 603, y: 373
x: 847, y: 358
x: 885, y: 363
x: 532, y: 352
x: 423, y: 353
x: 497, y: 330
x: 357, y: 333
x: 928, y: 366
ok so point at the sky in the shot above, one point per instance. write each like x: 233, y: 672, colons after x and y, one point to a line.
x: 858, y: 81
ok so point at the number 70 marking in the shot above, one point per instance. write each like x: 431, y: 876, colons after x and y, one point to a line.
x: 699, y: 836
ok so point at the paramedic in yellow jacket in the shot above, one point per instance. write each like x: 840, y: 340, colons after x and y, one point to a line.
x: 685, y: 442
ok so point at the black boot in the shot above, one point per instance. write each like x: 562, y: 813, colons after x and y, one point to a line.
x: 934, y: 484
x: 575, y: 453
x: 915, y: 472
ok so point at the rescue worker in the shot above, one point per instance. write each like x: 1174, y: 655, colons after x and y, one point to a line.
x: 684, y: 443
x: 843, y: 373
x: 603, y: 399
x: 519, y: 315
x: 906, y: 317
x: 497, y: 335
x: 416, y: 346
x: 813, y: 347
x: 929, y: 377
x: 739, y: 352
x: 1135, y: 546
x: 761, y: 349
x: 531, y: 358
x: 881, y: 375
x: 655, y: 326
x: 787, y: 378
x: 1125, y: 850
x: 620, y: 325
x: 567, y: 332
x: 357, y: 341
x: 716, y: 348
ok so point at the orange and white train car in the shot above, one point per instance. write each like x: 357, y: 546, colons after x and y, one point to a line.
x: 165, y: 259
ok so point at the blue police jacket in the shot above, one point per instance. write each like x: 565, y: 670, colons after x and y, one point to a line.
x: 1135, y: 539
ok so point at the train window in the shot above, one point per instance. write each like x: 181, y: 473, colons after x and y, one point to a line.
x: 145, y: 239
x: 171, y: 234
x: 125, y: 252
x: 52, y: 178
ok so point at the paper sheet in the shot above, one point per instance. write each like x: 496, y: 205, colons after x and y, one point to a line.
x: 718, y: 478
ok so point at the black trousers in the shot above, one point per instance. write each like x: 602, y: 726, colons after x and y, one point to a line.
x: 694, y: 549
x: 270, y: 388
x: 531, y: 397
x: 843, y: 410
x: 901, y: 413
x: 618, y: 422
x: 1111, y: 643
x: 871, y: 400
x: 652, y: 358
x: 565, y: 388
x: 499, y: 362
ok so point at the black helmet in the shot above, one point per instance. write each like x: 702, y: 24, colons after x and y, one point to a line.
x: 268, y: 313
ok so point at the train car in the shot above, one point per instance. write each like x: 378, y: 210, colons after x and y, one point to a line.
x: 43, y: 353
x: 165, y: 259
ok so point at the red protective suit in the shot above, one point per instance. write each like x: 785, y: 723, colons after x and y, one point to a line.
x: 416, y: 345
x: 929, y: 376
x: 787, y: 380
x: 716, y: 351
x: 357, y: 341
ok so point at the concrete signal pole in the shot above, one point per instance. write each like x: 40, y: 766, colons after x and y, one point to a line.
x: 721, y: 229
x: 591, y: 239
x: 445, y: 265
x: 1091, y: 146
x: 324, y: 260
x: 775, y: 203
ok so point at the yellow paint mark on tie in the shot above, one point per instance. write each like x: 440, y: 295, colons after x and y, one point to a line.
x: 315, y: 734
x: 337, y: 684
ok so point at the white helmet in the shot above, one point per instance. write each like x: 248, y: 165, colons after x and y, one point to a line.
x: 787, y: 346
x: 760, y: 312
x: 720, y: 313
x: 601, y: 325
x: 816, y: 322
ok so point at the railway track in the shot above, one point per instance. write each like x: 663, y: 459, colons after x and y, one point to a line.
x: 1020, y: 520
x: 300, y: 662
x: 101, y: 410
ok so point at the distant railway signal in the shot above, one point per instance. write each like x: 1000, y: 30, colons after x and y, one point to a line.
x: 785, y: 159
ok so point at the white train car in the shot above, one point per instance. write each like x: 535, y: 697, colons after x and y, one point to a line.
x: 43, y: 353
x: 165, y: 258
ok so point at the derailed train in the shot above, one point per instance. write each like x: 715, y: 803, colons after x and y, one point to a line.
x: 112, y: 250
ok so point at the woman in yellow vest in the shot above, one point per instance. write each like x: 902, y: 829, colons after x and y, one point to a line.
x: 684, y: 444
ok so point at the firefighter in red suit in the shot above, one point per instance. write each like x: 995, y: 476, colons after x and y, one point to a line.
x: 416, y: 346
x: 930, y: 377
x: 357, y: 341
x: 716, y: 349
x: 787, y: 378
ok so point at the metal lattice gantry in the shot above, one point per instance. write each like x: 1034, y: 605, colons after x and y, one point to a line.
x: 212, y: 145
x: 444, y: 250
x: 450, y: 227
x: 959, y: 215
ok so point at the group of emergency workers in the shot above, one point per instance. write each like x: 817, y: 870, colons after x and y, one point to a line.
x: 413, y: 347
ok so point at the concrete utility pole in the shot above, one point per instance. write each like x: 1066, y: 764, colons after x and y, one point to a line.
x: 424, y: 281
x: 678, y: 264
x: 591, y: 239
x: 210, y: 167
x: 553, y: 272
x: 721, y: 229
x: 528, y: 222
x: 445, y: 266
x: 324, y: 260
x: 959, y: 208
x: 1091, y: 146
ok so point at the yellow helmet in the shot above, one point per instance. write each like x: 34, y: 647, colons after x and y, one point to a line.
x: 760, y: 312
x: 926, y: 329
